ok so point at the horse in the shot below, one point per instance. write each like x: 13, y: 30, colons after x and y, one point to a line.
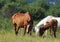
x: 22, y: 20
x: 52, y: 25
x: 43, y: 22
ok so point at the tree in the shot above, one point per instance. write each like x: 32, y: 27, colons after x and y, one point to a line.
x: 54, y: 10
x: 12, y: 6
x: 37, y: 9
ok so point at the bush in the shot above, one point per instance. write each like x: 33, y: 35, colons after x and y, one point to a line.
x: 5, y: 24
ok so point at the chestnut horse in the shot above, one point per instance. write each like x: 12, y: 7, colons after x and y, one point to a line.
x: 22, y: 20
x: 52, y: 25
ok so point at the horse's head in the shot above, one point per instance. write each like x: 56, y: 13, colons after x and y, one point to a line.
x: 38, y: 29
x: 41, y: 30
x: 27, y: 16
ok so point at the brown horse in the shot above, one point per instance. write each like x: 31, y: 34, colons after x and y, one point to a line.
x: 52, y: 25
x: 22, y: 20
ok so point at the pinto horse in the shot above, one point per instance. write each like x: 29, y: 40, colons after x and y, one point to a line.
x: 43, y: 22
x: 22, y: 20
x: 52, y: 25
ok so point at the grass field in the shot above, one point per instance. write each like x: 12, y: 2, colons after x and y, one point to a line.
x: 7, y: 34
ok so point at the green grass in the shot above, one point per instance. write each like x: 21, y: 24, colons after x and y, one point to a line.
x: 9, y: 36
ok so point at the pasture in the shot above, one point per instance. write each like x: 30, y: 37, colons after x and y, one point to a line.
x: 7, y: 34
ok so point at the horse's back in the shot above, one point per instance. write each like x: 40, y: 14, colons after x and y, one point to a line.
x: 43, y: 21
x: 17, y: 18
x: 21, y: 18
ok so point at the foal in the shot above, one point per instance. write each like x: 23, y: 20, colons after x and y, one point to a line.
x: 52, y: 25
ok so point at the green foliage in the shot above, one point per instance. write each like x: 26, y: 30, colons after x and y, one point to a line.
x: 5, y: 24
x: 11, y: 6
x: 37, y: 8
x: 1, y: 3
x: 54, y: 10
x: 8, y: 9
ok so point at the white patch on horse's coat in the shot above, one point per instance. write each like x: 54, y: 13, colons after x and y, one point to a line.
x: 27, y: 28
x: 36, y: 30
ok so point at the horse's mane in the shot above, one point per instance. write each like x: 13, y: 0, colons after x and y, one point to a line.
x: 43, y: 20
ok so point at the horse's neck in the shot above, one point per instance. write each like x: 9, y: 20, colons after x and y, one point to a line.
x: 43, y: 21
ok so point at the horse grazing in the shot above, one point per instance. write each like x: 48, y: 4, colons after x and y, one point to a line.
x: 42, y: 22
x: 22, y: 20
x: 52, y: 25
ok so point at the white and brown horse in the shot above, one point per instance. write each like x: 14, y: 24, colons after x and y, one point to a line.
x: 52, y: 25
x: 43, y: 22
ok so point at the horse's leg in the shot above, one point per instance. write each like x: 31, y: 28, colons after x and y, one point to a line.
x: 50, y: 31
x: 25, y: 27
x: 54, y: 31
x: 30, y: 29
x: 15, y: 28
